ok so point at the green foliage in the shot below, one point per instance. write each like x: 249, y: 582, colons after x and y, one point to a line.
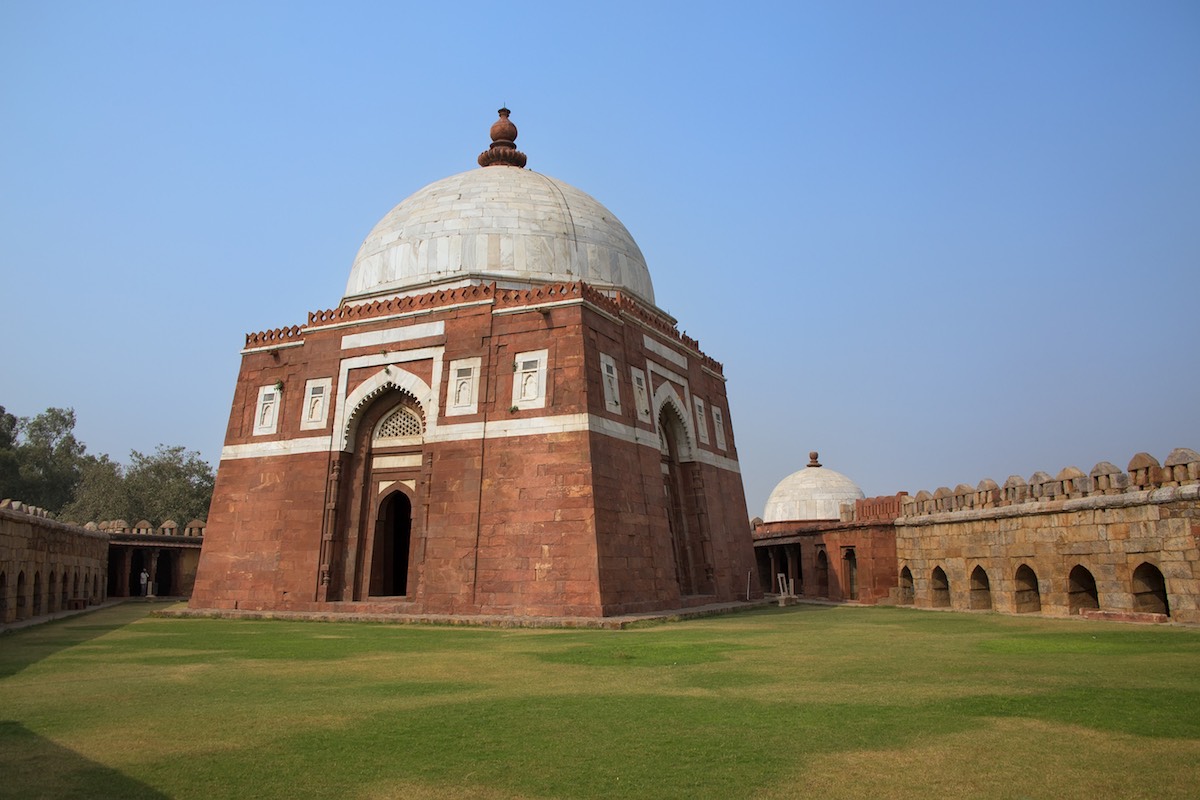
x: 44, y: 465
x: 806, y: 701
x: 49, y: 458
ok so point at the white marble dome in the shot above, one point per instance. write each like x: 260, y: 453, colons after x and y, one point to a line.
x: 812, y: 493
x: 503, y: 223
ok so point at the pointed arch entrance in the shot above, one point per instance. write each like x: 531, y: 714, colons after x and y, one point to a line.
x: 376, y: 527
x: 684, y: 497
x: 393, y: 541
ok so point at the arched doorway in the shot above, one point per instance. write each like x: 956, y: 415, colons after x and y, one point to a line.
x: 51, y: 594
x: 693, y: 558
x: 1081, y: 590
x: 1150, y: 590
x: 64, y: 597
x: 22, y: 599
x: 3, y: 597
x: 850, y: 574
x: 981, y: 590
x: 822, y: 574
x: 164, y: 573
x: 393, y: 539
x: 1028, y: 599
x: 370, y: 552
x: 38, y: 608
x: 907, y: 592
x: 137, y: 563
x: 939, y: 589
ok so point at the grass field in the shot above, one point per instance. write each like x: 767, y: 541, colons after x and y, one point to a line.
x: 808, y: 701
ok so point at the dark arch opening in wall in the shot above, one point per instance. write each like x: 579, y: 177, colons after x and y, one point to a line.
x: 164, y: 573
x: 96, y: 598
x: 389, y: 557
x: 685, y: 512
x: 1081, y: 590
x: 3, y: 597
x: 939, y: 589
x: 51, y: 594
x: 822, y: 574
x: 136, y: 564
x: 38, y: 608
x: 64, y: 599
x: 1150, y: 590
x: 1028, y: 599
x: 75, y: 585
x: 981, y: 590
x: 850, y: 562
x: 22, y: 601
x: 907, y: 591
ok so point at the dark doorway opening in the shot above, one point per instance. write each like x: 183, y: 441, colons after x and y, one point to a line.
x: 1028, y: 599
x: 1081, y: 590
x: 851, y: 574
x: 822, y: 574
x: 907, y: 592
x: 164, y: 574
x: 389, y: 557
x: 1150, y: 590
x: 940, y: 589
x: 981, y: 590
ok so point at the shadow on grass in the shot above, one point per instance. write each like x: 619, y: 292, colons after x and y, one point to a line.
x: 27, y: 646
x: 45, y: 769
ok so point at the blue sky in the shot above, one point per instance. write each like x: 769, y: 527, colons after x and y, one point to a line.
x: 936, y: 241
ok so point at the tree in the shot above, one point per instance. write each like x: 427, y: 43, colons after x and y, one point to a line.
x: 50, y: 458
x: 172, y: 483
x: 101, y: 493
x: 10, y: 464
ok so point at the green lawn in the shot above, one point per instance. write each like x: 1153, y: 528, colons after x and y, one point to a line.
x: 808, y: 701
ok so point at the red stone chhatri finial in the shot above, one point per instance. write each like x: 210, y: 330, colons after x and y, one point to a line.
x: 503, y: 151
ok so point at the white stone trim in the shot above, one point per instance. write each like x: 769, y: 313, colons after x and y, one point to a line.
x: 455, y: 403
x: 397, y: 377
x: 535, y: 426
x: 641, y: 393
x: 266, y: 348
x: 421, y: 330
x: 701, y: 419
x: 521, y: 377
x: 610, y: 381
x: 266, y: 410
x: 401, y: 461
x: 719, y: 427
x: 313, y: 418
x: 285, y: 447
x: 661, y: 350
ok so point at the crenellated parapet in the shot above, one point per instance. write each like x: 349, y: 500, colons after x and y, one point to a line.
x: 1144, y: 473
x: 169, y: 527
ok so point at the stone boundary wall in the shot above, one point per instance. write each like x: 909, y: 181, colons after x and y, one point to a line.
x: 1182, y: 467
x: 46, y: 565
x: 1042, y: 553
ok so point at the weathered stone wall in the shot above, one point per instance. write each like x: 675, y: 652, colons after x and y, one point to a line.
x: 46, y: 565
x: 1108, y: 543
x: 1110, y: 536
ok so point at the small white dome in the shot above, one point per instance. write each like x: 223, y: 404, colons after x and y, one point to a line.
x: 812, y: 493
x: 501, y: 223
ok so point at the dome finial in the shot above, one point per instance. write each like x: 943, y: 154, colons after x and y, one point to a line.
x: 503, y: 150
x: 812, y: 459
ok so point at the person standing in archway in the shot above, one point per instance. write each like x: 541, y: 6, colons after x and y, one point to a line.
x: 145, y: 579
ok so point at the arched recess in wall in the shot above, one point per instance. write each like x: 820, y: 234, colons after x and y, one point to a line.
x: 981, y: 589
x: 1028, y: 599
x: 390, y: 557
x: 63, y: 596
x: 685, y: 504
x: 666, y: 397
x: 51, y: 595
x: 849, y: 574
x: 389, y: 378
x: 822, y: 574
x: 22, y: 597
x: 907, y: 590
x: 1081, y: 590
x: 3, y: 597
x: 939, y: 588
x: 38, y: 608
x: 371, y: 550
x: 1150, y: 590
